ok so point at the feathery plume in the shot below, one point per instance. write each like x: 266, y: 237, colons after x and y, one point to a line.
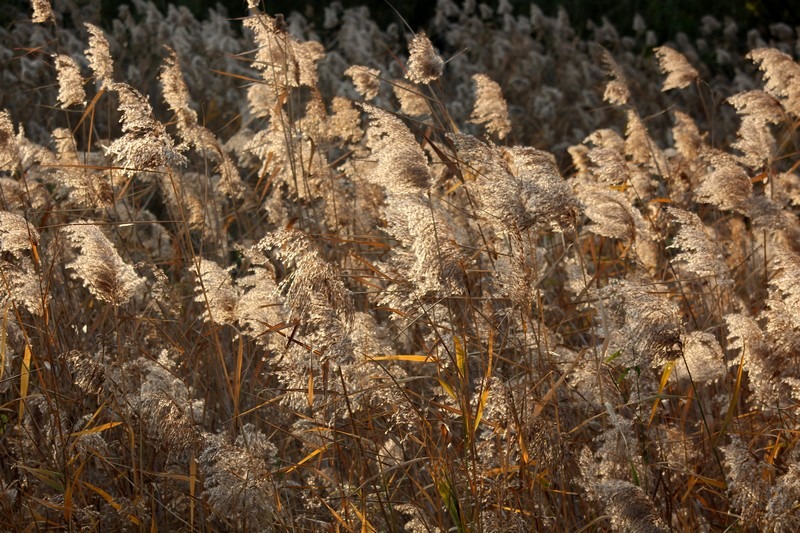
x: 9, y: 151
x: 755, y: 141
x: 680, y: 73
x: 367, y: 80
x: 424, y: 66
x: 782, y: 75
x: 781, y: 511
x: 629, y: 507
x: 259, y: 308
x: 89, y: 187
x: 313, y: 283
x: 616, y: 92
x: 99, y: 265
x: 647, y: 326
x: 412, y: 103
x: 530, y: 194
x: 785, y: 279
x: 768, y: 214
x: 99, y: 56
x: 401, y: 164
x: 42, y: 11
x: 164, y: 406
x: 726, y: 185
x: 308, y: 54
x: 756, y: 144
x: 312, y: 123
x: 19, y: 280
x: 500, y: 520
x: 641, y: 148
x: 263, y: 100
x: 291, y: 163
x: 494, y: 180
x: 546, y: 444
x: 688, y: 140
x: 780, y: 380
x: 70, y: 83
x: 283, y: 61
x: 168, y: 422
x: 548, y: 200
x: 145, y: 144
x: 758, y: 106
x: 87, y: 373
x: 703, y: 356
x: 490, y: 108
x: 615, y: 458
x: 238, y: 484
x: 699, y: 254
x: 273, y: 56
x: 432, y: 259
x: 747, y: 481
x: 763, y: 358
x: 16, y: 234
x: 611, y: 213
x: 345, y: 120
x: 176, y: 95
x: 607, y: 157
x: 745, y: 334
x: 215, y: 290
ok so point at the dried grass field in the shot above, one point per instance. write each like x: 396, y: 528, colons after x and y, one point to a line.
x: 262, y: 275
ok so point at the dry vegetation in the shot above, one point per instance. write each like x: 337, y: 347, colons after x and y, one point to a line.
x: 507, y: 280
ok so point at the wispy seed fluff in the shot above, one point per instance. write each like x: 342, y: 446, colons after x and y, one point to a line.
x: 490, y: 109
x: 680, y: 73
x: 70, y: 83
x: 424, y: 66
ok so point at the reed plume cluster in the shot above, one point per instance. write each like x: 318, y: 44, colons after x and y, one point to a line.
x: 488, y: 277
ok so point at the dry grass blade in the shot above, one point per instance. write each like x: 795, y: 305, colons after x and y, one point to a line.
x: 661, y: 385
x: 3, y: 342
x: 24, y: 381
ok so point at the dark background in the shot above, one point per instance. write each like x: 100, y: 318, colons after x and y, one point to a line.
x: 665, y: 17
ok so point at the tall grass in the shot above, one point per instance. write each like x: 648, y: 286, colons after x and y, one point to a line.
x: 494, y: 279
